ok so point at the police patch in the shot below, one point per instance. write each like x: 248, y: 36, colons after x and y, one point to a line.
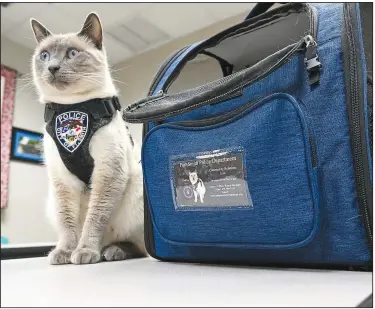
x: 71, y: 129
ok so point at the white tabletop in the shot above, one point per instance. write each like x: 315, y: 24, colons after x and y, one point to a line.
x: 147, y: 282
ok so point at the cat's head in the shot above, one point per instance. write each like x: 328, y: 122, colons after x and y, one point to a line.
x: 193, y: 177
x: 70, y: 64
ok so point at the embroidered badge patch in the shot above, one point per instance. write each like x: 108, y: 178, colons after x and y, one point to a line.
x: 71, y: 129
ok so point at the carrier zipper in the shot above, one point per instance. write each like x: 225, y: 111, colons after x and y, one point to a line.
x: 355, y: 110
x: 312, y: 149
x: 312, y: 62
x: 311, y: 58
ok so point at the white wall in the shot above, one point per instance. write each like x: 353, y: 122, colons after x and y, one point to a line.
x: 24, y: 219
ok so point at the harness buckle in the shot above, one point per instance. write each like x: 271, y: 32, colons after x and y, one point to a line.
x: 111, y: 106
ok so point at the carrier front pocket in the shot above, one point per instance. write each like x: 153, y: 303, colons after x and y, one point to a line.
x: 247, y: 180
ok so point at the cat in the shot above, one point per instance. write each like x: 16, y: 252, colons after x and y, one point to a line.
x: 199, y: 188
x: 101, y: 220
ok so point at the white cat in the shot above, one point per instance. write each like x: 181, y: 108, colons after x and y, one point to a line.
x: 199, y: 188
x: 104, y: 218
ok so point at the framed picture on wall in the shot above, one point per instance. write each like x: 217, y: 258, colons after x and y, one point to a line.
x: 2, y: 91
x: 26, y: 146
x: 8, y: 91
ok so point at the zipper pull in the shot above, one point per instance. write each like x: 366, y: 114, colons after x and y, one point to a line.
x: 312, y: 62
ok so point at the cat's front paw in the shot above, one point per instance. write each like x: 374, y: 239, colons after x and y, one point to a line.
x: 59, y: 256
x: 114, y: 253
x: 85, y: 256
x: 122, y: 251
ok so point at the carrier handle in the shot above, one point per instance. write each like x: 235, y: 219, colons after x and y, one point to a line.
x: 261, y: 8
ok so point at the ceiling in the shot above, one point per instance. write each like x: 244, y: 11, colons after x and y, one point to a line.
x: 129, y: 28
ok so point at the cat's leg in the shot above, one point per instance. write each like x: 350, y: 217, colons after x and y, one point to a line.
x: 63, y: 203
x: 108, y: 182
x: 106, y: 192
x: 125, y: 234
x: 195, y: 196
x: 65, y: 200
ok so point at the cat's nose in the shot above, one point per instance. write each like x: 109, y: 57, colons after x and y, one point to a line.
x: 53, y: 68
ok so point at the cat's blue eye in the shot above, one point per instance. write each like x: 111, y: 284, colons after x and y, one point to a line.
x: 72, y: 53
x: 44, y: 56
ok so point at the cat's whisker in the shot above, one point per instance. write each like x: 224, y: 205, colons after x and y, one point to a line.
x: 119, y: 81
x: 25, y: 77
x: 92, y: 75
x: 95, y: 81
x: 119, y: 69
x: 27, y: 86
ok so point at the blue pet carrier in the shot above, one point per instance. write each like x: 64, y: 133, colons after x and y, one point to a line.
x: 270, y: 163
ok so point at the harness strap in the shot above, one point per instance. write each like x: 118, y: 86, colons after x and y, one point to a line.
x: 99, y: 108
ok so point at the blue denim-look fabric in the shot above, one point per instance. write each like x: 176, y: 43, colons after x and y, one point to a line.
x: 341, y: 236
x: 278, y: 171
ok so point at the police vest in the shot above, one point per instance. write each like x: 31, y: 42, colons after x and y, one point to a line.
x: 72, y: 126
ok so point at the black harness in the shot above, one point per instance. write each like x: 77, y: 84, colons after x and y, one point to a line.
x: 72, y: 126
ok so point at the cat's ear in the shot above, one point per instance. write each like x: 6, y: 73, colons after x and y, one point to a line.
x: 40, y: 32
x: 92, y: 29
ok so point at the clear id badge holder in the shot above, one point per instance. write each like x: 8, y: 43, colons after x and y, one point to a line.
x: 212, y: 180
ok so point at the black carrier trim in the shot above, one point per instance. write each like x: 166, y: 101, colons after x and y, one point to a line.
x: 370, y: 110
x: 354, y: 80
x: 149, y: 232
